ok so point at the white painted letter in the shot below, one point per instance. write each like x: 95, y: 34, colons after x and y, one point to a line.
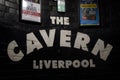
x: 66, y: 21
x: 61, y: 64
x: 47, y: 64
x: 76, y: 63
x: 49, y: 39
x: 84, y: 63
x: 53, y: 19
x: 54, y: 64
x: 91, y: 63
x: 60, y: 20
x: 32, y: 43
x: 65, y: 38
x: 11, y: 53
x: 100, y: 47
x: 35, y: 66
x: 68, y: 63
x: 81, y: 41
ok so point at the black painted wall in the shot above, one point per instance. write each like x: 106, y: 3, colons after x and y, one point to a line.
x: 12, y: 29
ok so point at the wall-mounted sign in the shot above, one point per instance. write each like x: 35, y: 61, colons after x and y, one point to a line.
x: 31, y: 10
x: 61, y: 6
x: 89, y: 12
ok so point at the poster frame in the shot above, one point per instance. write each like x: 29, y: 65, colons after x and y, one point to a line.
x: 96, y: 22
x: 28, y: 21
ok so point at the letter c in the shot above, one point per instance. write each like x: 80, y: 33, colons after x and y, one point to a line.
x: 11, y: 53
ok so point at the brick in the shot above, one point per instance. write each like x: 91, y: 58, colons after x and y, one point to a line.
x: 10, y: 16
x: 1, y: 1
x: 13, y: 1
x: 51, y: 3
x: 2, y: 7
x: 17, y: 1
x: 11, y: 10
x: 1, y: 14
x: 10, y: 4
x: 17, y: 12
x: 6, y: 9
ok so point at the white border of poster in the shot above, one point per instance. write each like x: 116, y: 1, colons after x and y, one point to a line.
x: 89, y: 13
x: 31, y: 11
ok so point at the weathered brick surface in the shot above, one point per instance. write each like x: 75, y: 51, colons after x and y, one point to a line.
x: 9, y: 9
x: 12, y: 29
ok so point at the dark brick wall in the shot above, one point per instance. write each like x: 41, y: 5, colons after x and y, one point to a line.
x: 9, y: 9
x: 12, y: 29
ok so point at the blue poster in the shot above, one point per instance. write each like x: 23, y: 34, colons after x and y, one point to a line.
x: 89, y: 12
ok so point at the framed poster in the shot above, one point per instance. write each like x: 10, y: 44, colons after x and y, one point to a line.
x: 30, y: 11
x: 89, y: 12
